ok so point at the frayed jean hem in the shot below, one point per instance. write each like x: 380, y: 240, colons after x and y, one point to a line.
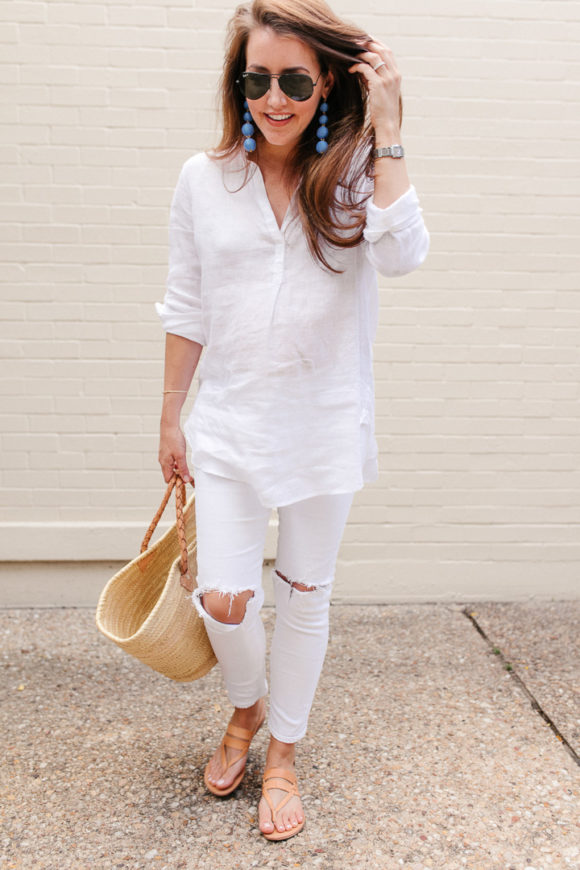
x: 276, y: 736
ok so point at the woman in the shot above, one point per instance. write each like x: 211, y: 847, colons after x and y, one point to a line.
x: 274, y: 241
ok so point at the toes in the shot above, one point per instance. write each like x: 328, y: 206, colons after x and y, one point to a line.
x: 221, y: 779
x: 292, y: 819
x: 286, y: 820
x: 265, y: 816
x: 214, y: 775
x: 224, y: 781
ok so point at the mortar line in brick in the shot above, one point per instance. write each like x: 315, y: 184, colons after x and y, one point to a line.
x: 515, y: 676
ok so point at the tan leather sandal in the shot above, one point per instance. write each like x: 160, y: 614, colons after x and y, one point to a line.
x: 279, y: 777
x: 235, y: 738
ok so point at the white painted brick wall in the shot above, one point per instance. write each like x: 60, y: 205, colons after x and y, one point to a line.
x: 477, y: 357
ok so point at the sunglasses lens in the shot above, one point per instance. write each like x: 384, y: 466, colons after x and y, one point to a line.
x: 254, y: 85
x: 296, y: 86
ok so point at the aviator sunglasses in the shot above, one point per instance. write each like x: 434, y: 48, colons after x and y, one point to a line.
x: 297, y: 86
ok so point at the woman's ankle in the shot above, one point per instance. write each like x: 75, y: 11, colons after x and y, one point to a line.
x: 249, y: 714
x: 280, y: 754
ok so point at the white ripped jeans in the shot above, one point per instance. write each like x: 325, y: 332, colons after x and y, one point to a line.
x: 231, y: 534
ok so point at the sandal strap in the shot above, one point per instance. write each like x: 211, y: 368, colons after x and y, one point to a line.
x: 235, y: 738
x: 281, y: 773
x: 242, y: 733
x: 236, y: 742
x: 283, y: 779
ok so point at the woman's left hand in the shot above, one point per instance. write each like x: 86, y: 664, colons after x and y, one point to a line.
x: 383, y: 81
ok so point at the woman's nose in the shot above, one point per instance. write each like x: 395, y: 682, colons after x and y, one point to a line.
x: 276, y: 96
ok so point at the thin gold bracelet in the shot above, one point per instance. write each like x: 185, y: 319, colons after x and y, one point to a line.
x: 175, y: 391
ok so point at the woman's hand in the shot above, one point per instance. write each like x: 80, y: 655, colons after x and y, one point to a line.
x: 181, y: 359
x: 172, y: 456
x: 383, y: 80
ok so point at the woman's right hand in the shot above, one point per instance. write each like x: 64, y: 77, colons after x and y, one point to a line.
x: 172, y: 456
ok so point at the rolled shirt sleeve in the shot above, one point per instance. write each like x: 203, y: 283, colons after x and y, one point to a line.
x: 396, y: 238
x: 181, y: 310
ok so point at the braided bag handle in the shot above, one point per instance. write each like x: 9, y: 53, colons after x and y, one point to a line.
x: 178, y: 483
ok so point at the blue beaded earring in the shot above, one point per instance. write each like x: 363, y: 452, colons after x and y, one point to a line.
x: 248, y: 129
x: 322, y: 132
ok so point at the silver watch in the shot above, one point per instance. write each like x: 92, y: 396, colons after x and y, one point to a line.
x: 391, y: 151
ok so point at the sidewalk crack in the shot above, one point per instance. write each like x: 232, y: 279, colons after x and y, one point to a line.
x: 515, y: 676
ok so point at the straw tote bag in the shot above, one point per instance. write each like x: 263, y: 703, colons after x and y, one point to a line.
x: 146, y: 608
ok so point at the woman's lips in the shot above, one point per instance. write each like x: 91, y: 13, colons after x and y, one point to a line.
x: 278, y: 122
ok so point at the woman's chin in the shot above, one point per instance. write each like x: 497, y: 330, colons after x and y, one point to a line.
x: 279, y: 139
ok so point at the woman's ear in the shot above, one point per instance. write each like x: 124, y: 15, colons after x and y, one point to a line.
x: 328, y: 84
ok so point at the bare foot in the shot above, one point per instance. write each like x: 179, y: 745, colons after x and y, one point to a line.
x: 249, y: 718
x: 291, y: 814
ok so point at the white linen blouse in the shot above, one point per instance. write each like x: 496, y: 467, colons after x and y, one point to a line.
x: 286, y: 393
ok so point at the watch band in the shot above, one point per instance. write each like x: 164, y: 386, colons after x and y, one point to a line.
x: 390, y: 151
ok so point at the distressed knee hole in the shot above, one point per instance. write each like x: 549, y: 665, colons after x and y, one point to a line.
x: 226, y: 607
x: 302, y: 587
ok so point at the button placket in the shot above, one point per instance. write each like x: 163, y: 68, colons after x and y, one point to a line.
x: 278, y: 274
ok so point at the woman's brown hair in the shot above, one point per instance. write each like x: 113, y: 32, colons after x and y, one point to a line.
x: 330, y: 209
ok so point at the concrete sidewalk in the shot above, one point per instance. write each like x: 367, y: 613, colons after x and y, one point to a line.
x: 441, y: 736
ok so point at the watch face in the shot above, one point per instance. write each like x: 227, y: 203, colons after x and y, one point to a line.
x: 390, y: 151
